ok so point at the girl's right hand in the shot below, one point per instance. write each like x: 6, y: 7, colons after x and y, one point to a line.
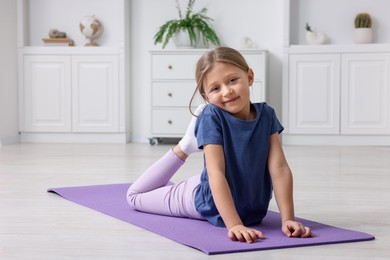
x: 244, y: 234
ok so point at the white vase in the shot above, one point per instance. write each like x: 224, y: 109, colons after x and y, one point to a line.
x: 315, y: 38
x: 182, y: 39
x: 363, y: 35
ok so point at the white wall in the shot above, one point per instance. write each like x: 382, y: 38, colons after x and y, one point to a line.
x: 261, y: 20
x: 8, y: 73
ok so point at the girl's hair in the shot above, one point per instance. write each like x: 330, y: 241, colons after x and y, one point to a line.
x: 207, y: 61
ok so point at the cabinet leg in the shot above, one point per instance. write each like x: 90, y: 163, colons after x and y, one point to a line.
x: 155, y: 140
x: 152, y: 141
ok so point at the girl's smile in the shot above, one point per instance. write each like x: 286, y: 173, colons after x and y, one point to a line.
x: 231, y: 100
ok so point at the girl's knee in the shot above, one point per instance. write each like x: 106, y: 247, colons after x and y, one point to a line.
x: 131, y: 197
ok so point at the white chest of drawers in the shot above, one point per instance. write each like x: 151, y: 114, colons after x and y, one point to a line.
x: 173, y: 83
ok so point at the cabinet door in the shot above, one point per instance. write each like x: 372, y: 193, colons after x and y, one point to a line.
x: 314, y: 91
x: 95, y: 93
x: 257, y: 92
x: 365, y: 94
x: 46, y: 93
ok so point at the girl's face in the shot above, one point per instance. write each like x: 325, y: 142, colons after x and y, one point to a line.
x: 227, y: 87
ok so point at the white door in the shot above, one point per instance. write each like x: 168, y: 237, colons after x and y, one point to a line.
x: 314, y: 91
x: 365, y: 95
x: 46, y: 93
x: 95, y: 93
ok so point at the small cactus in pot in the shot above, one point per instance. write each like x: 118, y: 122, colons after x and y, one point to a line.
x: 363, y: 30
x: 363, y: 20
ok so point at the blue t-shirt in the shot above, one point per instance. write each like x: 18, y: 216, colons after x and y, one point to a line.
x: 246, y: 146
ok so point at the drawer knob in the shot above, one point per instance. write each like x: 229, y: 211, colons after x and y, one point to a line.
x: 170, y: 94
x: 170, y: 122
x: 170, y: 67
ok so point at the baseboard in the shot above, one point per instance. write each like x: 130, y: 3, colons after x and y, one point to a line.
x: 336, y: 140
x: 115, y: 138
x: 6, y: 140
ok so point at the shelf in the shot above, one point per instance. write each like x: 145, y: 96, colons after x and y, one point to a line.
x: 199, y: 50
x: 333, y: 48
x: 70, y: 50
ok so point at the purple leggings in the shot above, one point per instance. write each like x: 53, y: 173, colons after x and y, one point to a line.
x: 152, y: 192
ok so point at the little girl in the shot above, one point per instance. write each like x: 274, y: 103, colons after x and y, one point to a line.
x: 244, y: 160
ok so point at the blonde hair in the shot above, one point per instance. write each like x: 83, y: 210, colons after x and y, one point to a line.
x: 207, y: 61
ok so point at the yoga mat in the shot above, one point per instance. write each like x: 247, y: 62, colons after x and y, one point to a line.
x: 111, y: 200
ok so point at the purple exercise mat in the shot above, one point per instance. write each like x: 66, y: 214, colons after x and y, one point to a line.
x: 111, y: 200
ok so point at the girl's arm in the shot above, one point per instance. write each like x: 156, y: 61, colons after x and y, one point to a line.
x: 282, y: 182
x: 215, y: 163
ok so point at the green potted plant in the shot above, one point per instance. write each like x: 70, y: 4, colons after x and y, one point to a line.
x: 193, y: 25
x: 363, y: 30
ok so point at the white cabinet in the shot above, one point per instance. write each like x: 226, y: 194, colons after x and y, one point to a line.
x: 366, y: 93
x: 340, y: 98
x: 171, y: 89
x: 64, y: 93
x: 173, y: 83
x: 47, y: 93
x: 95, y: 94
x: 70, y: 93
x: 314, y: 93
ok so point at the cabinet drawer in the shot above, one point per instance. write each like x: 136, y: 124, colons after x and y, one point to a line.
x: 174, y: 66
x: 257, y: 92
x: 170, y: 121
x: 174, y: 94
x: 257, y: 63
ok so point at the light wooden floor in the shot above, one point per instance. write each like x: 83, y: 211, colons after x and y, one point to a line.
x: 342, y: 186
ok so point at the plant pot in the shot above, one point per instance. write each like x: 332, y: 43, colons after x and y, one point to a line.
x: 363, y: 35
x: 182, y: 39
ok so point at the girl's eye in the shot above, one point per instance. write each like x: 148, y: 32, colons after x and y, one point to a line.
x: 232, y: 80
x: 215, y: 88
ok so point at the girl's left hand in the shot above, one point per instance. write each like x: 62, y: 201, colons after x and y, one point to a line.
x: 293, y: 228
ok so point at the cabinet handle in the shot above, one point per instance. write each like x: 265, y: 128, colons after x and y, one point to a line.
x: 170, y: 122
x: 170, y: 67
x: 170, y: 94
